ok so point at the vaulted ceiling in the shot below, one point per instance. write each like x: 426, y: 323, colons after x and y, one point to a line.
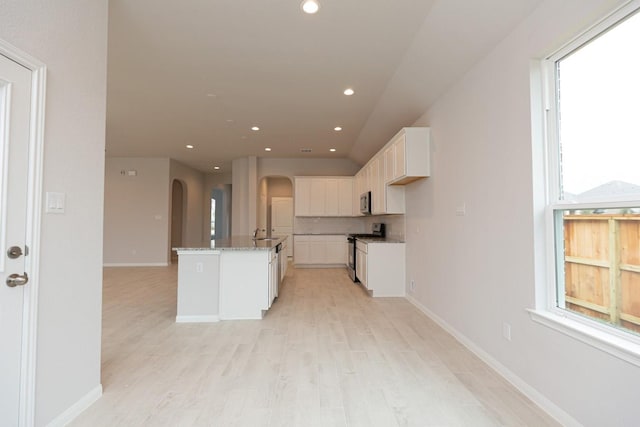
x: 204, y: 72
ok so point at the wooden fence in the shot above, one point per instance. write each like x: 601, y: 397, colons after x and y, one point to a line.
x: 602, y: 267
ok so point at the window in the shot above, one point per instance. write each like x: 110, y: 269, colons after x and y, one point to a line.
x: 593, y: 165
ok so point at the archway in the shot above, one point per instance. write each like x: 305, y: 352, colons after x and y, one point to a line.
x: 177, y: 217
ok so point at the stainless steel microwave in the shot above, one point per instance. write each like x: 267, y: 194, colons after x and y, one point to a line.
x: 365, y: 203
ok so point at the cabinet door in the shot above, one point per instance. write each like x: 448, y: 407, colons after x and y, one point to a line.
x: 273, y: 278
x: 331, y: 207
x: 336, y: 251
x: 389, y: 163
x: 317, y: 252
x: 317, y: 197
x: 357, y: 191
x: 302, y: 196
x: 361, y: 267
x: 400, y: 160
x: 345, y: 197
x: 378, y: 192
x: 301, y: 252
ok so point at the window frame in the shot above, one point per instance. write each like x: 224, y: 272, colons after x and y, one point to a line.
x: 608, y: 338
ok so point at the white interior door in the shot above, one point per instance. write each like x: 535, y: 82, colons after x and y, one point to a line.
x: 15, y: 104
x: 282, y: 220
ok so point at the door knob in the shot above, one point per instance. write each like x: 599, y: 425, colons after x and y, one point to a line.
x: 14, y: 252
x: 17, y: 280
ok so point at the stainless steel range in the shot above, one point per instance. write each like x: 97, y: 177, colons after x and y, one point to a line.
x: 377, y: 230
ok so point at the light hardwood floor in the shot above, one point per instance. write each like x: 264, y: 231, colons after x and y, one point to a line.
x: 326, y: 354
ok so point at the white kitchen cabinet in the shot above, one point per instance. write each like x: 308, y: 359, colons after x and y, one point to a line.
x: 317, y: 197
x: 407, y: 156
x: 301, y: 253
x: 323, y: 196
x: 361, y: 263
x: 273, y: 276
x: 284, y: 260
x: 385, y: 199
x: 302, y: 197
x: 345, y: 197
x: 245, y: 283
x: 320, y: 250
x: 198, y: 284
x: 358, y: 189
x: 330, y: 197
x: 380, y: 267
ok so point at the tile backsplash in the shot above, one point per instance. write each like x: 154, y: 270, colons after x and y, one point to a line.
x: 394, y: 224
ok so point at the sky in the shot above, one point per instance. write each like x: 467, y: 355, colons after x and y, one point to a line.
x: 600, y: 110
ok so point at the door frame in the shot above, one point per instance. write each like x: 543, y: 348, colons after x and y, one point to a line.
x: 38, y: 70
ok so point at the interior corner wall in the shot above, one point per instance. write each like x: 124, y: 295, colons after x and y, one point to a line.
x: 482, y: 160
x: 193, y: 182
x: 70, y: 38
x: 136, y: 211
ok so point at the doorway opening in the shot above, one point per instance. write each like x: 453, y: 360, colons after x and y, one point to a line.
x: 220, y: 214
x: 275, y: 208
x: 177, y: 217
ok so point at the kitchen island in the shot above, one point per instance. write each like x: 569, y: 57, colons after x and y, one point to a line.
x: 233, y: 278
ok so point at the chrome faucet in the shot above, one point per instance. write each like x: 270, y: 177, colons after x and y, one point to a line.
x: 255, y: 233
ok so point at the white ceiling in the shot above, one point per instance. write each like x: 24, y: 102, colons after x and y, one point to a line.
x: 270, y: 65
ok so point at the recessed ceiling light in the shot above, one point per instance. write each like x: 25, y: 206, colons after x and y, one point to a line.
x: 216, y: 168
x: 349, y: 92
x: 310, y: 6
x: 189, y: 146
x: 255, y: 128
x: 337, y: 128
x: 211, y: 95
x: 267, y: 149
x: 229, y: 120
x: 332, y: 150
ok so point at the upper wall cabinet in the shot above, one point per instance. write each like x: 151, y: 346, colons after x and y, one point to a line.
x: 407, y: 156
x: 323, y: 196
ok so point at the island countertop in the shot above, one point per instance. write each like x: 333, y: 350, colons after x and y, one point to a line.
x: 237, y: 243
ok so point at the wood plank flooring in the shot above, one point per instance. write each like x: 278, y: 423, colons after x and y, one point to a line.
x: 325, y: 355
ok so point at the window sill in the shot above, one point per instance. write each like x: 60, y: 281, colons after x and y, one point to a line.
x: 619, y: 347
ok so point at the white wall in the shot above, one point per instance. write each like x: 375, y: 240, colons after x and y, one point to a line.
x: 137, y: 226
x: 244, y: 196
x: 136, y: 211
x: 70, y: 37
x: 477, y: 271
x: 306, y: 167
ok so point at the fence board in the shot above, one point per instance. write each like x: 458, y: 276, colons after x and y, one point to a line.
x: 602, y: 267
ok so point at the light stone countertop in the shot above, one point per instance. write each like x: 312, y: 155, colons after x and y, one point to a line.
x: 379, y: 240
x: 237, y: 243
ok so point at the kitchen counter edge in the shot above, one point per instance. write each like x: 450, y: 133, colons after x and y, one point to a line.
x: 236, y: 243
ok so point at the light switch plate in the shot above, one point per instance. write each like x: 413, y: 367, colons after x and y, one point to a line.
x: 54, y: 202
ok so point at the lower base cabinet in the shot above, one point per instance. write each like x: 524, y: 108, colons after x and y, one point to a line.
x: 380, y: 267
x: 318, y: 250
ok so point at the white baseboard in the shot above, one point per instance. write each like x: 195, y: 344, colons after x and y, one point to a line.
x: 77, y: 408
x: 135, y: 264
x: 536, y: 397
x: 198, y: 319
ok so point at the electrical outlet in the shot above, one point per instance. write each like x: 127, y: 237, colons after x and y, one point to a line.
x: 506, y: 331
x: 199, y: 267
x: 412, y: 285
